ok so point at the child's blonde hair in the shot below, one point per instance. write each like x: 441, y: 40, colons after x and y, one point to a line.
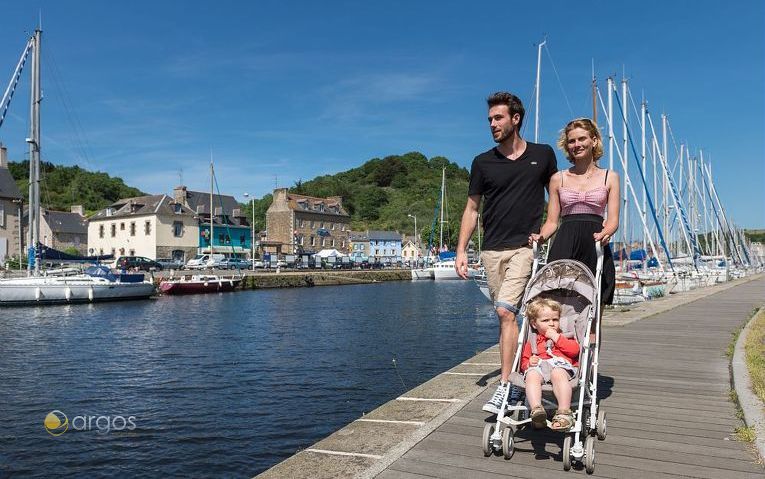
x: 535, y: 307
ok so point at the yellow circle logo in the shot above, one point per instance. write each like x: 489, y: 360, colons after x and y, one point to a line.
x: 56, y: 423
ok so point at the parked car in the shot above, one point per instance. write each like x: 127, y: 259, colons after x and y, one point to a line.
x: 259, y: 264
x: 169, y: 263
x: 234, y: 263
x: 137, y: 262
x: 202, y: 261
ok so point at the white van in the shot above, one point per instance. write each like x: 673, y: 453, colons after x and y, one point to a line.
x: 202, y: 261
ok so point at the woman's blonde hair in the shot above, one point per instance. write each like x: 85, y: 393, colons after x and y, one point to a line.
x: 590, y: 127
x: 535, y: 307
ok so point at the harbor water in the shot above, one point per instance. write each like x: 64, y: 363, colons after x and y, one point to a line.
x: 222, y: 385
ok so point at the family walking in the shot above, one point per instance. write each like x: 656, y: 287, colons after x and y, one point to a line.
x: 583, y: 208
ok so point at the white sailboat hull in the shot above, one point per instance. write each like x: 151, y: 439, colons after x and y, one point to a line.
x: 70, y: 289
x: 444, y: 270
x: 422, y: 273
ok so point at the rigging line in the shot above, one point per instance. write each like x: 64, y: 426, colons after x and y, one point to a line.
x: 11, y: 89
x: 80, y: 141
x: 560, y: 84
x: 223, y: 215
x: 627, y: 182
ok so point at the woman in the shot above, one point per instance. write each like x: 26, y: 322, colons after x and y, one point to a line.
x: 582, y: 195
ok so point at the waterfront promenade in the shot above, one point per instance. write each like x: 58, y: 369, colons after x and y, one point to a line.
x: 665, y: 385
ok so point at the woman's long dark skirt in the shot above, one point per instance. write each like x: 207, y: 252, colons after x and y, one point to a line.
x: 574, y: 241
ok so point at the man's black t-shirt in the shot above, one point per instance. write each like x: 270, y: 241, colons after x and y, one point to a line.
x: 513, y: 193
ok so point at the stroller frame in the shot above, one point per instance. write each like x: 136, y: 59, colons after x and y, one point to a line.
x: 579, y: 440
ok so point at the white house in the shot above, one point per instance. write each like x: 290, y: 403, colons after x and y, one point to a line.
x: 153, y: 226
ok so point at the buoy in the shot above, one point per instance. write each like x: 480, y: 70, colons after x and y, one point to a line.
x: 38, y: 293
x: 68, y: 293
x: 90, y: 294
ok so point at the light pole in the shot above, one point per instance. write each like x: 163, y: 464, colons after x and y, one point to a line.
x: 252, y: 232
x: 416, y: 243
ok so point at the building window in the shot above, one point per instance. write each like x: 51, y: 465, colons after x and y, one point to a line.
x: 177, y: 229
x: 342, y: 243
x: 342, y: 227
x: 302, y: 223
x: 147, y: 228
x: 333, y: 226
x: 2, y: 215
x: 178, y: 208
x: 101, y: 233
x: 114, y: 230
x: 313, y: 241
x: 122, y: 226
x: 321, y: 225
x: 332, y: 243
x: 132, y: 228
x: 300, y: 240
x: 312, y: 224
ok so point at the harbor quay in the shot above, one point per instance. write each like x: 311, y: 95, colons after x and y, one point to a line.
x: 669, y: 416
x: 301, y: 278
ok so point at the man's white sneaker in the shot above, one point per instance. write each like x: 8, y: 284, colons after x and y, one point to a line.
x: 495, y: 403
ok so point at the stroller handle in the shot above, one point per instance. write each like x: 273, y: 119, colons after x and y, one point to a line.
x: 599, y: 251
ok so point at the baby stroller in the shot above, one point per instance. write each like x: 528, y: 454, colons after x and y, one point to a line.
x: 573, y: 285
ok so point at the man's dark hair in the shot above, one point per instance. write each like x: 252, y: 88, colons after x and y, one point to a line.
x: 513, y: 103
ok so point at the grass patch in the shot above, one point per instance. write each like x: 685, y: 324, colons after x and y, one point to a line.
x: 745, y: 434
x: 754, y: 354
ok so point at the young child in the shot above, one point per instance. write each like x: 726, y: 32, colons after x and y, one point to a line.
x: 555, y: 361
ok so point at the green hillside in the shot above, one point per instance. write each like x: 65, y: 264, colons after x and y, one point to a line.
x: 64, y: 186
x: 378, y: 194
x: 381, y: 193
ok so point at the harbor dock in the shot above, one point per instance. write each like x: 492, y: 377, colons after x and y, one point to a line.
x: 665, y: 385
x: 303, y: 278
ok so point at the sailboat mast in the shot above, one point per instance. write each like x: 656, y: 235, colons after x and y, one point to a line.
x: 594, y: 95
x: 645, y: 186
x: 538, y: 86
x: 625, y: 136
x: 443, y: 186
x: 34, y: 153
x: 212, y: 211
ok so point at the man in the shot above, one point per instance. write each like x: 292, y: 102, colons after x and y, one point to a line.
x: 511, y: 178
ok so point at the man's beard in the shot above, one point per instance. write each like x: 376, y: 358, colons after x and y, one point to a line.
x: 505, y: 134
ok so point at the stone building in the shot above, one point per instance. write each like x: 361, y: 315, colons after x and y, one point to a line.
x: 62, y: 229
x: 154, y: 226
x: 304, y: 224
x: 10, y: 205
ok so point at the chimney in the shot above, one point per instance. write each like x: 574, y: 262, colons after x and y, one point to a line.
x: 179, y: 195
x: 78, y: 209
x: 280, y: 194
x: 3, y: 156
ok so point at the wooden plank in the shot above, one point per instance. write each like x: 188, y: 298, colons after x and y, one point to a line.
x: 669, y: 414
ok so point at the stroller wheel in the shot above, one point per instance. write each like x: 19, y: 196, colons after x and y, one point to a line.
x: 567, y: 452
x: 601, y: 424
x: 589, y: 454
x: 488, y: 431
x: 508, y: 448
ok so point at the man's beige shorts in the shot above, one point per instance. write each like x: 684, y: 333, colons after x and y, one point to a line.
x: 507, y: 272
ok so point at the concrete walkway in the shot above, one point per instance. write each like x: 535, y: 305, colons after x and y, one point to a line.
x: 665, y: 384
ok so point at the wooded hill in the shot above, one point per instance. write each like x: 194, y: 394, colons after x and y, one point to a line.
x: 381, y: 193
x: 64, y: 186
x: 378, y: 194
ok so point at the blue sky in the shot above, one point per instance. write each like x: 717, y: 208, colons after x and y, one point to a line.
x: 281, y: 91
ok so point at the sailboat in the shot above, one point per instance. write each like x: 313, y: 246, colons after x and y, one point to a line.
x: 97, y: 283
x: 444, y: 267
x: 201, y: 283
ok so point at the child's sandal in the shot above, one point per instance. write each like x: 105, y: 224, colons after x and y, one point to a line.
x: 538, y: 417
x: 563, y: 420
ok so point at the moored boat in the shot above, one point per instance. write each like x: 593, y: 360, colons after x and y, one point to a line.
x: 198, y: 284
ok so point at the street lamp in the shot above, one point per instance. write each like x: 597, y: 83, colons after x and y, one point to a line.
x: 252, y: 232
x: 416, y: 243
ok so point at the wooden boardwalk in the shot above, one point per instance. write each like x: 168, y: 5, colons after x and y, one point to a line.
x: 665, y: 386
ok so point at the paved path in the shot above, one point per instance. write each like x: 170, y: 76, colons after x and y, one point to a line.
x: 665, y: 382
